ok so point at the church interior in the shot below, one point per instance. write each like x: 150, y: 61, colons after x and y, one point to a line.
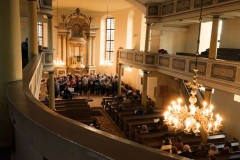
x: 119, y: 79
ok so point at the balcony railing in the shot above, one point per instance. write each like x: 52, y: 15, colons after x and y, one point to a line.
x: 220, y: 74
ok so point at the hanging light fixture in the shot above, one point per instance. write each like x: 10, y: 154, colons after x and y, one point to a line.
x: 58, y: 62
x: 193, y: 119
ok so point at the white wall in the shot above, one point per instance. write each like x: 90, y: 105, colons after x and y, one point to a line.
x: 230, y: 37
x: 191, y: 43
x: 229, y: 110
x: 24, y: 28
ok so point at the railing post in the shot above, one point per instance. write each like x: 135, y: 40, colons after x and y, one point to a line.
x: 119, y: 79
x: 144, y: 88
x: 51, y: 91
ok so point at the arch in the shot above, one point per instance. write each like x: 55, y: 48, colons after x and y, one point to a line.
x: 129, y: 30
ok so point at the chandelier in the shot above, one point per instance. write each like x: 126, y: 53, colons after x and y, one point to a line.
x: 192, y: 118
x: 58, y: 63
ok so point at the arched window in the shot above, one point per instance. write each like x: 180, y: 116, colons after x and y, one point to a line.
x: 40, y: 33
x: 109, y: 49
x: 130, y: 34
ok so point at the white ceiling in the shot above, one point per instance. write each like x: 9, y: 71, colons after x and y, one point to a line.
x: 93, y: 5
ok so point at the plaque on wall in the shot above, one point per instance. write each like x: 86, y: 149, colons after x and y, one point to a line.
x: 201, y: 66
x: 167, y: 8
x: 224, y: 72
x: 178, y: 64
x: 150, y: 59
x: 183, y: 5
x: 164, y: 61
x: 153, y: 10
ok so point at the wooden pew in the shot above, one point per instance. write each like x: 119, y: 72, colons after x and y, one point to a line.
x: 123, y: 121
x: 112, y: 108
x: 134, y: 127
x: 71, y: 106
x: 235, y: 145
x: 105, y: 99
x: 155, y: 140
x: 125, y: 109
x: 216, y: 138
x: 66, y: 101
x: 76, y: 113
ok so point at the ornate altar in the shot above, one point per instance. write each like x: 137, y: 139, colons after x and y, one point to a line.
x: 76, y: 36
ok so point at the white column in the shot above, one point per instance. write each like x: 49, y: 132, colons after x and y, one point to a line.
x: 89, y: 50
x: 64, y: 40
x: 93, y: 51
x: 144, y: 88
x: 214, y: 39
x: 32, y: 29
x: 61, y: 47
x: 119, y: 92
x: 147, y: 38
x: 10, y: 62
x: 68, y: 50
x: 50, y: 34
x: 51, y: 91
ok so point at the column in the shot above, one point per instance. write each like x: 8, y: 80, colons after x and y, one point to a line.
x: 214, y: 37
x: 89, y: 51
x: 208, y: 95
x: 32, y: 29
x: 144, y: 88
x: 61, y: 44
x: 68, y: 50
x: 64, y: 59
x: 93, y: 51
x: 10, y: 63
x: 50, y: 33
x: 51, y: 91
x: 119, y: 79
x: 147, y: 38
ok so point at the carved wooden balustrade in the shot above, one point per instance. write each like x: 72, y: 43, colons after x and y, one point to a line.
x: 220, y: 74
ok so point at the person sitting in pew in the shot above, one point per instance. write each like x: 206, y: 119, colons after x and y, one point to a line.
x: 213, y: 150
x: 66, y: 93
x: 178, y: 143
x: 167, y: 145
x: 149, y: 110
x: 212, y: 157
x: 139, y: 111
x: 201, y: 151
x: 144, y: 129
x: 174, y: 150
x: 95, y: 124
x: 227, y: 148
x: 186, y: 152
x: 120, y: 108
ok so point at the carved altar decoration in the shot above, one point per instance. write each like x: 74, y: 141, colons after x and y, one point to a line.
x: 76, y: 34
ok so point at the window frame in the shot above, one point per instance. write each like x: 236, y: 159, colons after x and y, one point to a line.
x: 109, y: 44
